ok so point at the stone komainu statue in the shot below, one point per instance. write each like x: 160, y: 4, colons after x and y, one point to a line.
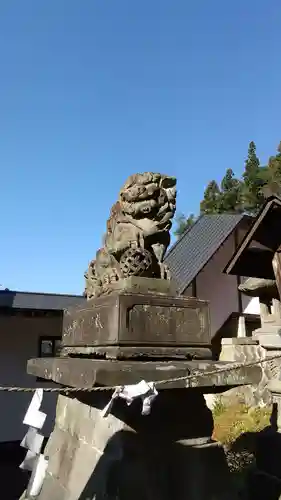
x: 138, y: 233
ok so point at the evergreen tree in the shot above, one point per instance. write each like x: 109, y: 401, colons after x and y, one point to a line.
x: 211, y: 203
x: 234, y: 195
x: 253, y: 182
x: 273, y: 174
x: 230, y: 196
x: 183, y: 223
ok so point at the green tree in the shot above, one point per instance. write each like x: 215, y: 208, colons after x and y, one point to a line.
x: 272, y: 175
x: 230, y: 193
x: 254, y: 179
x: 211, y: 202
x: 239, y: 195
x: 183, y: 223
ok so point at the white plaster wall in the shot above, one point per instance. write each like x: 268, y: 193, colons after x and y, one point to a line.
x: 221, y: 289
x: 19, y: 342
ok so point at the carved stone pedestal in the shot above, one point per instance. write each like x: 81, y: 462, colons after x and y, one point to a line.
x: 141, y: 317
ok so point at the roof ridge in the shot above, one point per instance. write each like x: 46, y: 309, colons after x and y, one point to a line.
x: 40, y: 293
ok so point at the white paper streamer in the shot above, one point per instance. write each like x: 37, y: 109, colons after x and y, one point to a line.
x: 29, y: 461
x: 37, y: 476
x: 34, y: 461
x: 33, y: 440
x: 145, y: 390
x: 34, y: 417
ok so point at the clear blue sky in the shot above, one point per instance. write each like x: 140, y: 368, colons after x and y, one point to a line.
x: 94, y: 90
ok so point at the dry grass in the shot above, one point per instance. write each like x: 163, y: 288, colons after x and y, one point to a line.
x: 232, y: 421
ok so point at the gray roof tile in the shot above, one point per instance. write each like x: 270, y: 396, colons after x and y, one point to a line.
x: 197, y: 245
x: 43, y: 301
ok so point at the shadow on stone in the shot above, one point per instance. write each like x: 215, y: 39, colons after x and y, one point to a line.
x: 145, y: 470
x: 263, y: 478
x: 13, y: 480
x: 167, y: 454
x: 176, y: 414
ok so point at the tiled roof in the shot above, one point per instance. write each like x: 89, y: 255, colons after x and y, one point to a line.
x: 42, y: 301
x: 197, y: 245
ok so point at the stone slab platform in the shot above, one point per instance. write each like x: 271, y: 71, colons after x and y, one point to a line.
x: 85, y: 372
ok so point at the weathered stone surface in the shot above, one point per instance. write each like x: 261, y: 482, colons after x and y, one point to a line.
x: 256, y: 393
x: 238, y: 341
x: 89, y: 372
x: 275, y: 387
x: 138, y: 233
x: 168, y: 454
x: 140, y: 320
x: 265, y: 289
x: 138, y: 284
x: 53, y: 489
x: 140, y: 352
x: 269, y: 337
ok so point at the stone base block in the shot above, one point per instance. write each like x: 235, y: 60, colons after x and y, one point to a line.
x: 168, y: 454
x: 269, y: 336
x: 269, y: 341
x: 244, y: 351
x: 239, y: 341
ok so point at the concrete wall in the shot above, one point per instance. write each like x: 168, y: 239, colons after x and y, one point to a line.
x: 221, y: 289
x: 19, y: 342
